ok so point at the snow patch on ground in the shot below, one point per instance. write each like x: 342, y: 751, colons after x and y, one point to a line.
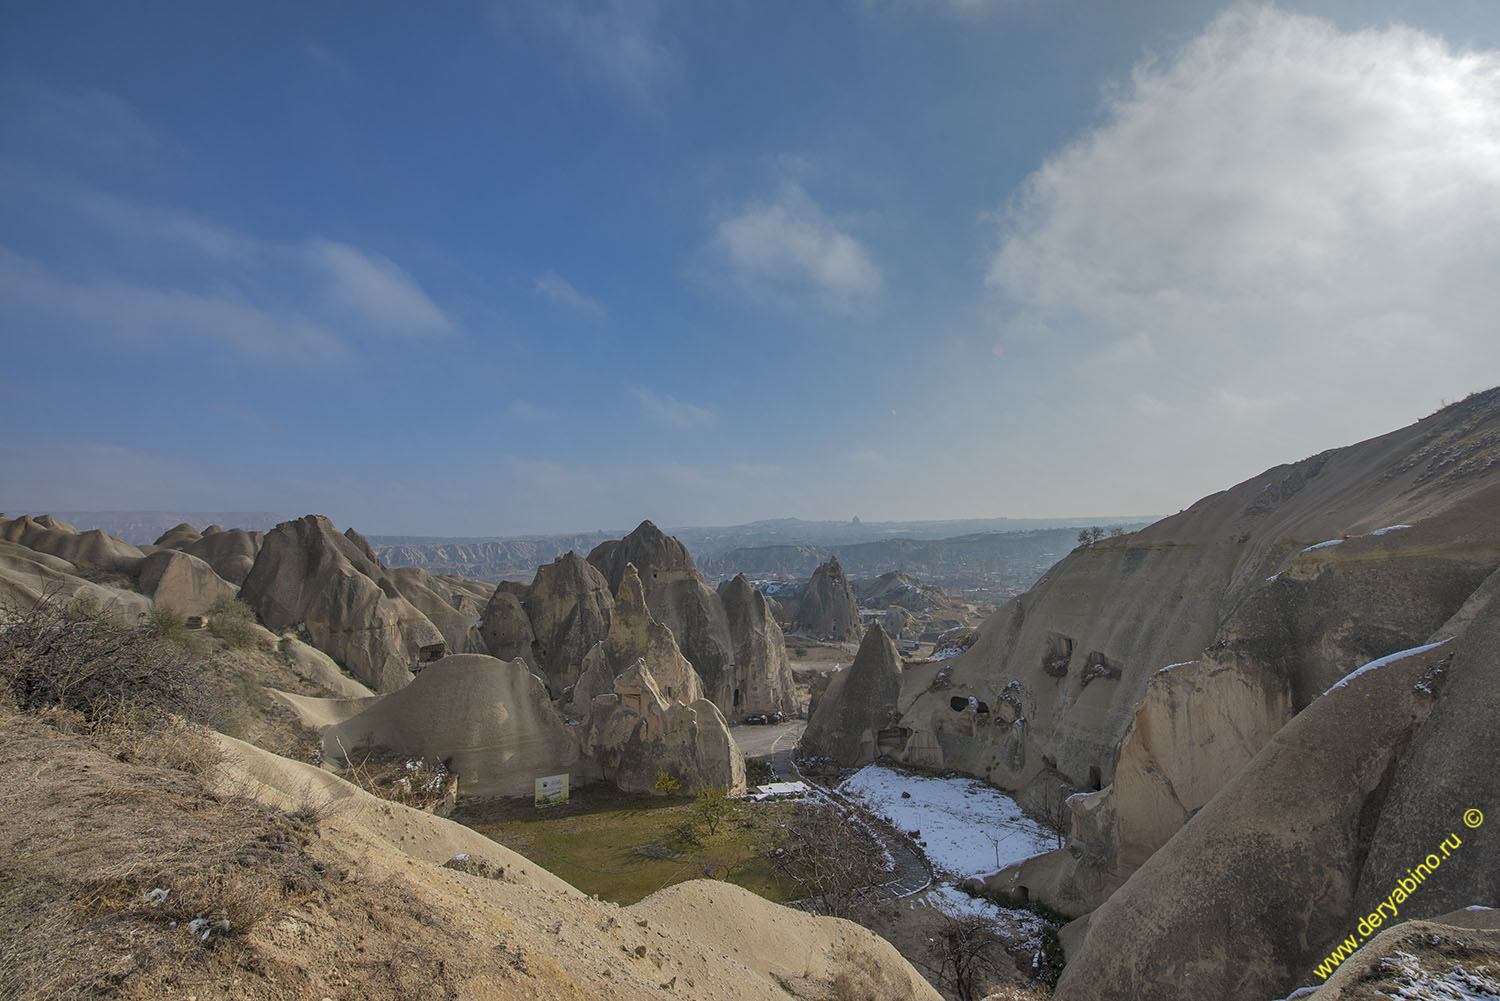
x: 1324, y: 545
x: 1389, y: 528
x: 1014, y: 924
x: 1183, y: 663
x: 1414, y: 982
x: 969, y: 828
x: 1383, y: 661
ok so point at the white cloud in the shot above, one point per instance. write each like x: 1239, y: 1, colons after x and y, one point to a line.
x: 376, y: 291
x: 120, y: 310
x: 867, y: 457
x: 613, y: 42
x: 1289, y: 231
x: 787, y: 244
x: 557, y: 288
x: 667, y: 410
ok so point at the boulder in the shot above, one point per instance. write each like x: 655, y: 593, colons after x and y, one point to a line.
x: 308, y: 575
x: 490, y: 721
x: 181, y: 582
x: 828, y: 609
x: 853, y: 720
x: 569, y: 606
x: 680, y: 599
x: 763, y: 673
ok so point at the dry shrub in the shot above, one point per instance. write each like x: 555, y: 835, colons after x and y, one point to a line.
x: 232, y: 621
x: 72, y: 656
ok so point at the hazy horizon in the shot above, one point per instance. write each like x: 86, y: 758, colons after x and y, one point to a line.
x: 507, y: 268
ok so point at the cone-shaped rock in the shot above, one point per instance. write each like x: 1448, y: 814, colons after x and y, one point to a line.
x: 859, y: 704
x: 828, y: 609
x: 505, y: 626
x: 679, y: 599
x: 570, y: 606
x: 308, y: 574
x: 763, y: 674
x: 446, y: 601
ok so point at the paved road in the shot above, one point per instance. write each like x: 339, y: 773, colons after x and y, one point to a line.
x: 774, y: 742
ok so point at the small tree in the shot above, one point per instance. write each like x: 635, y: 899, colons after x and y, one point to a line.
x: 1083, y: 536
x: 830, y: 857
x: 712, y: 806
x: 1095, y: 534
x: 1117, y: 531
x: 967, y: 956
x: 666, y: 784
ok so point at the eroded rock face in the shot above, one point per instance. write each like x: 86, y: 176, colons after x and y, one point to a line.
x: 490, y: 720
x: 633, y: 734
x: 57, y: 538
x: 1261, y: 883
x: 828, y: 609
x: 635, y: 635
x: 851, y: 722
x: 309, y: 575
x: 230, y: 552
x: 679, y: 599
x: 505, y: 626
x: 763, y: 673
x: 27, y: 577
x: 452, y: 609
x: 185, y: 583
x: 570, y: 606
x: 1244, y: 577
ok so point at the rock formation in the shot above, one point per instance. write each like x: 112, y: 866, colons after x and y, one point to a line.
x: 453, y: 609
x: 569, y: 607
x: 1262, y: 882
x: 231, y: 553
x: 635, y: 635
x: 184, y: 583
x: 57, y: 538
x: 851, y: 723
x: 505, y: 627
x: 828, y: 609
x: 763, y: 674
x: 27, y: 577
x: 633, y: 734
x: 491, y: 721
x: 308, y: 575
x: 679, y: 599
x: 1293, y: 577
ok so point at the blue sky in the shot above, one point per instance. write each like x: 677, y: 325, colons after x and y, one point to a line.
x: 521, y: 267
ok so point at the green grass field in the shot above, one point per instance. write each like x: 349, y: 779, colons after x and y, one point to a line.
x: 624, y: 847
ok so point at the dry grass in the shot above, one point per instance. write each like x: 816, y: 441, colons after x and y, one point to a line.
x: 92, y: 823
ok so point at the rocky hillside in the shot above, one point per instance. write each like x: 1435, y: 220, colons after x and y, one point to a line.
x: 1187, y: 677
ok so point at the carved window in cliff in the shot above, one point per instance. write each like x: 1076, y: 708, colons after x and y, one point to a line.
x: 1097, y: 666
x: 1058, y: 655
x: 737, y: 699
x: 1096, y: 780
